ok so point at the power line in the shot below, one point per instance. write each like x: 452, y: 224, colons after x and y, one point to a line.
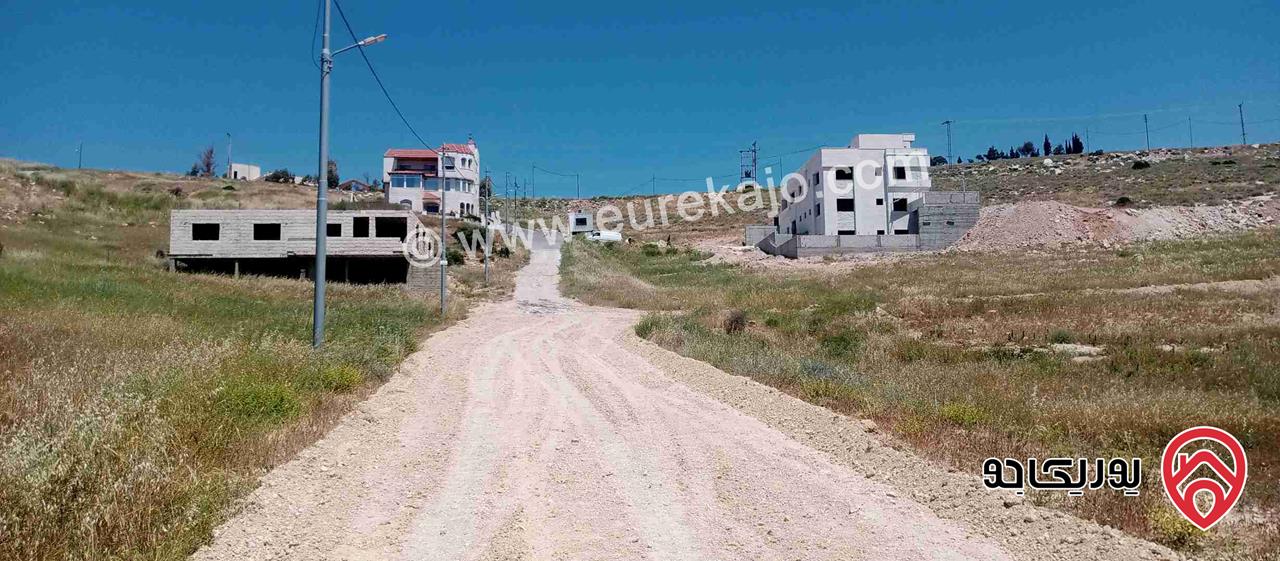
x: 375, y: 75
x: 315, y: 31
x: 544, y: 170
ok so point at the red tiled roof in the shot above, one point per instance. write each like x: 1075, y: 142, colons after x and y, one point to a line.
x: 411, y: 153
x: 459, y: 148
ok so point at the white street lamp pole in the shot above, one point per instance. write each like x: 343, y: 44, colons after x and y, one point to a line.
x: 322, y: 187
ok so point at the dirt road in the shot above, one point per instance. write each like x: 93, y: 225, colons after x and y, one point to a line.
x: 539, y: 428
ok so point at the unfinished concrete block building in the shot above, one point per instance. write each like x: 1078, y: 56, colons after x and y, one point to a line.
x: 364, y: 246
x: 874, y: 195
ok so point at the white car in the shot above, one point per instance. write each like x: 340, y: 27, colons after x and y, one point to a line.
x: 605, y: 236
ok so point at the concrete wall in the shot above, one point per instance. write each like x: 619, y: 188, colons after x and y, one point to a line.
x: 590, y: 224
x: 752, y: 235
x: 945, y: 216
x: 297, y: 234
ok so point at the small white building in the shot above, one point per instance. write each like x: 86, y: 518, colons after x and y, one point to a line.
x: 872, y: 187
x: 581, y: 222
x: 245, y: 172
x: 418, y: 178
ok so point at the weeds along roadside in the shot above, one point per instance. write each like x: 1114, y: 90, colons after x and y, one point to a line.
x: 137, y: 405
x: 952, y: 354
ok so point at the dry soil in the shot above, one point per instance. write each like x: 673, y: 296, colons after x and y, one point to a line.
x: 540, y: 428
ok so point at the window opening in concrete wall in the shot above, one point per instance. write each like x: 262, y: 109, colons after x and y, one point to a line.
x: 266, y: 232
x: 844, y: 205
x: 899, y: 172
x: 360, y: 227
x: 391, y: 227
x: 900, y: 205
x: 333, y: 230
x: 205, y: 232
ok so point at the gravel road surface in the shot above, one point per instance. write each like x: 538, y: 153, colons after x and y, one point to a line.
x: 540, y: 428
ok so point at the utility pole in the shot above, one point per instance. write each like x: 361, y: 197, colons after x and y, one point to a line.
x: 948, y: 125
x: 229, y: 156
x: 749, y: 163
x: 653, y: 185
x: 1146, y: 130
x: 1088, y: 144
x: 577, y: 184
x: 1191, y: 136
x: 444, y: 255
x: 488, y: 241
x: 1243, y: 138
x: 533, y: 175
x: 80, y: 156
x: 322, y: 185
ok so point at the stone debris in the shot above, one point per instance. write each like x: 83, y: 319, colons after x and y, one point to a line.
x: 1053, y: 224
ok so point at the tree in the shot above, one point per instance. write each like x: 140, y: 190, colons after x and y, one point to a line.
x: 279, y: 176
x: 333, y: 174
x: 1028, y: 149
x: 1077, y: 147
x: 993, y: 154
x: 937, y: 161
x: 1048, y: 146
x: 205, y: 163
x: 486, y: 187
x: 1059, y: 150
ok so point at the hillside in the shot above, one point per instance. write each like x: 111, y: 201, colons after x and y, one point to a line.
x: 1176, y: 177
x: 137, y: 405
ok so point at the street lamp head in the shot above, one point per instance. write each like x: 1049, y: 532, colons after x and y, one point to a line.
x: 373, y: 40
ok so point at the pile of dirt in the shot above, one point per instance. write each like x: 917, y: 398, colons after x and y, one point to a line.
x: 1054, y: 224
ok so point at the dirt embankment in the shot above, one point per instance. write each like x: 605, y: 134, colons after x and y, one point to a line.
x: 1053, y: 224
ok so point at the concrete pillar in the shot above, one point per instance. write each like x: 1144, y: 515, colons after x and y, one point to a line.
x: 237, y: 271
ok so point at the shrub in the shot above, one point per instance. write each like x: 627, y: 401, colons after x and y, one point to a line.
x: 254, y: 402
x: 1172, y: 530
x: 341, y: 378
x: 1141, y: 164
x: 963, y: 414
x: 842, y: 345
x: 651, y: 250
x: 455, y: 256
x: 1124, y: 201
x: 736, y: 322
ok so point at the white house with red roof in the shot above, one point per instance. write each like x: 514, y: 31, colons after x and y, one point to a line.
x: 415, y: 178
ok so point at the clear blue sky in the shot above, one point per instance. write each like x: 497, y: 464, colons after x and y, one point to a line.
x: 621, y: 91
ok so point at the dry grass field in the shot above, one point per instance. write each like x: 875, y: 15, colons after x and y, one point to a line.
x: 136, y: 405
x: 954, y: 354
